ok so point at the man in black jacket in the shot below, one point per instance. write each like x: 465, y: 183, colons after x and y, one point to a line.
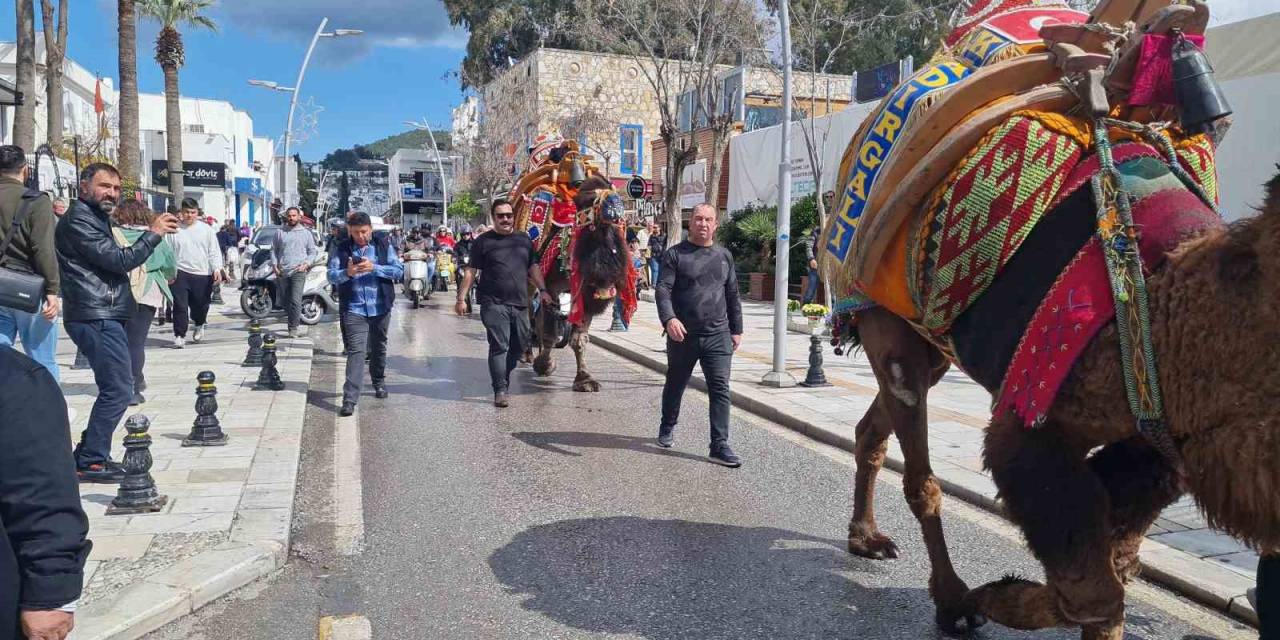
x: 98, y: 303
x: 43, y: 530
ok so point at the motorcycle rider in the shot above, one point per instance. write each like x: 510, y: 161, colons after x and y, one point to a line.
x: 461, y: 257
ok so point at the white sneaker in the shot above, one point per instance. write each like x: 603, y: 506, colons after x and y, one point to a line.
x: 179, y: 342
x: 198, y: 334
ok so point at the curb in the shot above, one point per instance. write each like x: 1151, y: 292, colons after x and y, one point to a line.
x: 1161, y: 564
x: 256, y: 548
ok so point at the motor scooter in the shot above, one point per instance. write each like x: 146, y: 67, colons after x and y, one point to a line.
x: 259, y: 291
x: 444, y: 269
x: 416, y: 287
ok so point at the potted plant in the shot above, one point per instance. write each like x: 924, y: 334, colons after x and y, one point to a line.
x: 816, y: 314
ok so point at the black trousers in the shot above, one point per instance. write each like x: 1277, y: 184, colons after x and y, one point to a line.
x: 715, y: 353
x: 137, y: 328
x: 191, y: 294
x: 364, y: 333
x: 1269, y: 596
x: 508, y: 330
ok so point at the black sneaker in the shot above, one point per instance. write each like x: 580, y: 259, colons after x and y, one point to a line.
x: 108, y: 472
x: 347, y: 409
x: 725, y: 456
x: 380, y: 391
x: 665, y: 438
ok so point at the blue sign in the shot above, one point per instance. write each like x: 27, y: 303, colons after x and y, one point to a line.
x: 251, y: 187
x: 414, y: 193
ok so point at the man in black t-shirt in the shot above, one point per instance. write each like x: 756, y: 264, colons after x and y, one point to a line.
x: 508, y: 263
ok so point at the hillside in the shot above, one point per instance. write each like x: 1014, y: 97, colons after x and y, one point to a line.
x: 347, y: 159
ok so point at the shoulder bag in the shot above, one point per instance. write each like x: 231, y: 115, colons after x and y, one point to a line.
x: 20, y: 290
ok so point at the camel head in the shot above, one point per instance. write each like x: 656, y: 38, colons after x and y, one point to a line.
x: 601, y: 253
x: 1221, y: 308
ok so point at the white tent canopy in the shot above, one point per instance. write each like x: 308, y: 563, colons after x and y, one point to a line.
x: 1246, y: 63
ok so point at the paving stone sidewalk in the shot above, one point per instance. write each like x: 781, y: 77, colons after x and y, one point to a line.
x: 1180, y: 550
x: 230, y: 508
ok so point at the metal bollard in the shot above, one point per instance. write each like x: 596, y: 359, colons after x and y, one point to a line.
x: 137, y: 492
x: 269, y: 376
x: 206, y: 431
x: 815, y: 377
x: 254, y: 356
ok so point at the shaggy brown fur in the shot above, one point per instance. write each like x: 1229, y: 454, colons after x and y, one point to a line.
x: 603, y: 257
x: 1215, y: 316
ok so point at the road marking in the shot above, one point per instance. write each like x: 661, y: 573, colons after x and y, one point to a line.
x: 348, y: 493
x: 353, y: 627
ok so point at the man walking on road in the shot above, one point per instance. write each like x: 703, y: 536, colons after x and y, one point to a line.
x: 365, y: 268
x: 26, y: 244
x: 294, y: 251
x: 508, y: 263
x: 199, y: 266
x: 95, y: 288
x: 698, y: 304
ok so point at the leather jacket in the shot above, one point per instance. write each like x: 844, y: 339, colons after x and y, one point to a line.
x: 95, y: 270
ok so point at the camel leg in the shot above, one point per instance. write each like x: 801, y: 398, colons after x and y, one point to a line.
x: 582, y: 337
x: 544, y: 365
x: 906, y: 367
x: 872, y: 435
x: 1140, y: 483
x: 1064, y: 511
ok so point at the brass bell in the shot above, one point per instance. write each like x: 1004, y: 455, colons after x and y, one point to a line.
x: 1200, y: 99
x: 577, y: 174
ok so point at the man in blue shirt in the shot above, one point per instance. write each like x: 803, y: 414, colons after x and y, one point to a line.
x: 365, y: 268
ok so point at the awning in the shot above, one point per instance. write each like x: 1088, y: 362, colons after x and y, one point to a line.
x: 9, y: 94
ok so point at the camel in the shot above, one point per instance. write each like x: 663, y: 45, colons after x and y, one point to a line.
x: 602, y: 261
x: 1213, y: 307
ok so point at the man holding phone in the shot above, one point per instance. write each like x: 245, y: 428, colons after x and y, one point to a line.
x: 365, y: 269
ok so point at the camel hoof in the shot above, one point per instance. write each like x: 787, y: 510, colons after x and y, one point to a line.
x: 876, y: 546
x: 544, y: 366
x: 587, y: 386
x: 958, y: 623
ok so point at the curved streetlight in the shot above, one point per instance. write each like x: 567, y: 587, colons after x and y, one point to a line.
x: 444, y: 180
x: 296, y: 89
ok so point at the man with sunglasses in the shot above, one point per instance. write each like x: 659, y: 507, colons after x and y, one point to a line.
x: 507, y: 260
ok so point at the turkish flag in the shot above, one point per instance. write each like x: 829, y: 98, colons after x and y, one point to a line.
x: 98, y: 105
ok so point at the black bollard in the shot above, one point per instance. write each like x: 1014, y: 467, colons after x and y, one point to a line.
x: 254, y: 356
x: 137, y: 492
x: 206, y: 431
x: 269, y: 376
x: 815, y: 377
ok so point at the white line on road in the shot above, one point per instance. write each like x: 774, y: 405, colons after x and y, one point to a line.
x: 348, y: 493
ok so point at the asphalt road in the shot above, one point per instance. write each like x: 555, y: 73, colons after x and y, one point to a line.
x: 559, y: 518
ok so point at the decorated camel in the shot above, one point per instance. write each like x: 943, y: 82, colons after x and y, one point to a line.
x: 1037, y: 206
x: 577, y: 219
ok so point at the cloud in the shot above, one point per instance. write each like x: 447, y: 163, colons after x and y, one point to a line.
x: 387, y: 23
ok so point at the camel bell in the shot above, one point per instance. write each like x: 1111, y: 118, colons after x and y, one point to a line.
x: 577, y: 174
x: 1200, y: 99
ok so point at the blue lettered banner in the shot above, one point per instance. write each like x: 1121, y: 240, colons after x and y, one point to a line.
x: 875, y: 148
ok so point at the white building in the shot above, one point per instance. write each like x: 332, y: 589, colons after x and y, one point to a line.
x: 228, y: 169
x: 415, y: 185
x: 79, y: 118
x: 466, y: 121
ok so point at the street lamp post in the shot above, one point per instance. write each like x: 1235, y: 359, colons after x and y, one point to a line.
x: 297, y: 89
x: 444, y: 181
x: 779, y: 377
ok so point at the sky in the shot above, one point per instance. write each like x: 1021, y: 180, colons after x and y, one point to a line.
x: 366, y: 86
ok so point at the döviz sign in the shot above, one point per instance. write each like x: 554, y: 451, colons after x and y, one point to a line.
x: 195, y: 174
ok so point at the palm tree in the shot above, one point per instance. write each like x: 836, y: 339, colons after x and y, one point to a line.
x: 129, y: 153
x: 24, y: 115
x: 55, y: 52
x: 170, y: 55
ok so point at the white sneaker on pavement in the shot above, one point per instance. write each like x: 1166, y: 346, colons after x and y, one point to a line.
x: 179, y: 342
x: 198, y: 334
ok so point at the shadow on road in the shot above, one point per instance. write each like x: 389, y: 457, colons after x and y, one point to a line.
x: 556, y: 441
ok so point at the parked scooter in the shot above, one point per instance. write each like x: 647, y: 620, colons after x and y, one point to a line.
x: 258, y: 290
x: 416, y: 286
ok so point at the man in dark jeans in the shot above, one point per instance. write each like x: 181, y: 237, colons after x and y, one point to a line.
x: 810, y: 254
x: 508, y: 263
x: 698, y: 305
x: 657, y: 247
x: 365, y: 268
x: 43, y: 530
x: 98, y: 302
x: 293, y: 251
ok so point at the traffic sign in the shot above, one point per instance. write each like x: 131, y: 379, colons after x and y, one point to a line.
x: 637, y: 187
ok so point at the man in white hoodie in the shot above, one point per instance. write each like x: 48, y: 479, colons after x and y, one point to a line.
x: 199, y: 265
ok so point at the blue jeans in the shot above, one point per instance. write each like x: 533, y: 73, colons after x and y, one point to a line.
x: 653, y: 272
x: 811, y: 291
x: 106, y: 344
x: 431, y: 277
x: 617, y: 313
x: 39, y: 336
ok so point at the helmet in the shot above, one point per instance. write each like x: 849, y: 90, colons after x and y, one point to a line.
x: 466, y: 228
x: 444, y: 229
